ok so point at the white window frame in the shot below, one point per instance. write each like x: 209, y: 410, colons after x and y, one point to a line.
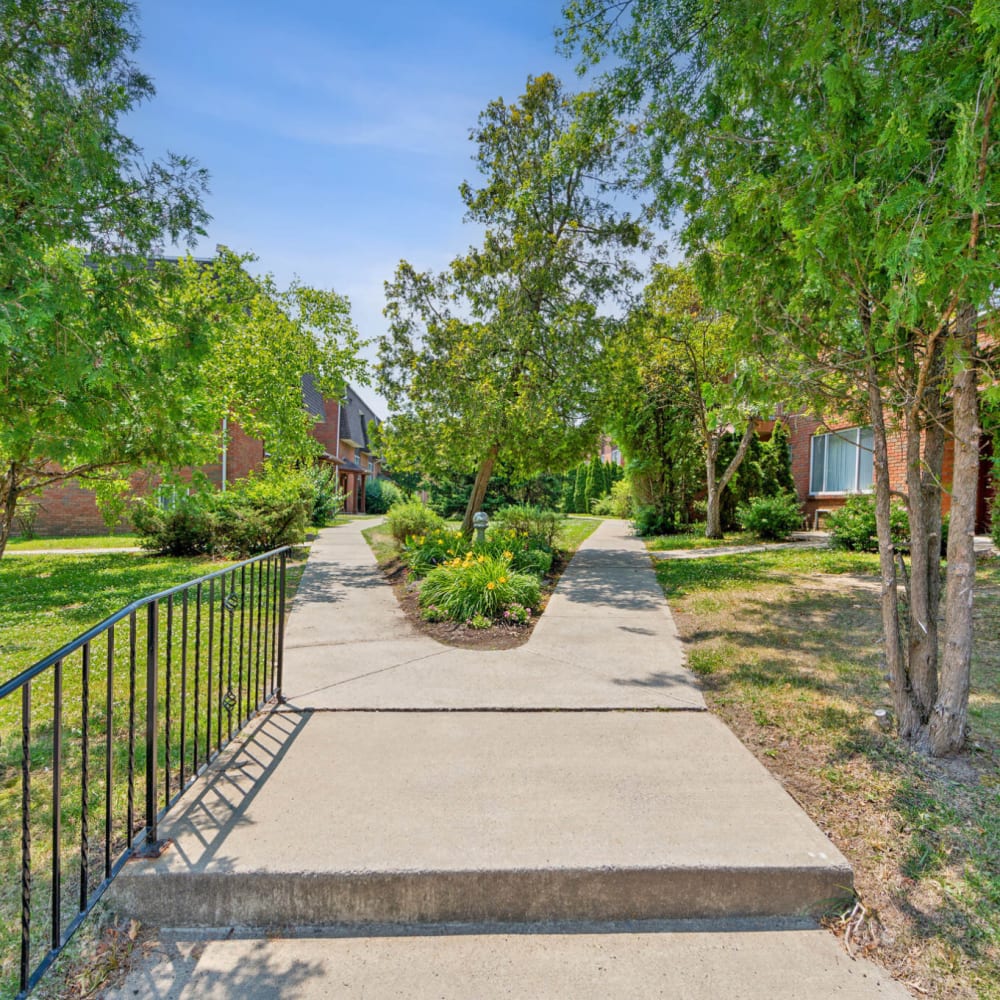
x: 853, y: 435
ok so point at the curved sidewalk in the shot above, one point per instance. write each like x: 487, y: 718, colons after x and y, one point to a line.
x: 607, y: 639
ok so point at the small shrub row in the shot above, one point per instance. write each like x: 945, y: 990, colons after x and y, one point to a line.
x: 254, y: 515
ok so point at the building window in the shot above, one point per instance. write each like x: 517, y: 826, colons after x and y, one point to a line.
x: 371, y: 464
x: 842, y: 462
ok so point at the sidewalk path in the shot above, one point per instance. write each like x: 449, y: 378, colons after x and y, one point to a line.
x: 520, y: 823
x: 606, y: 641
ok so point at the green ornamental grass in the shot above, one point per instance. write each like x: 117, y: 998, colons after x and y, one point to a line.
x: 478, y: 585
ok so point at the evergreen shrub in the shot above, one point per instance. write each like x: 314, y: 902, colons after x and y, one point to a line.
x: 771, y: 518
x: 381, y: 495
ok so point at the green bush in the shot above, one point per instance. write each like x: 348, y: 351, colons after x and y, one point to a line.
x: 412, y: 518
x: 380, y: 495
x: 264, y: 512
x: 256, y: 514
x: 478, y: 585
x: 853, y: 526
x: 327, y: 500
x: 537, y: 525
x: 188, y: 528
x: 771, y: 518
x: 651, y: 519
x: 618, y: 503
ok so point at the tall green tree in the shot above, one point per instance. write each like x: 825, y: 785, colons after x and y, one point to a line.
x: 110, y: 361
x: 717, y: 388
x: 74, y: 331
x: 841, y: 159
x: 496, y: 358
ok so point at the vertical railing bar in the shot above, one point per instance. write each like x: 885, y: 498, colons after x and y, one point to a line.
x: 84, y: 778
x: 152, y: 671
x: 229, y: 659
x: 57, y: 806
x: 239, y: 677
x: 281, y: 626
x: 167, y: 694
x: 108, y: 748
x: 197, y: 679
x: 130, y: 807
x: 208, y: 670
x: 184, y: 679
x: 25, y: 835
x: 222, y: 661
x: 267, y: 627
x: 248, y: 611
x: 259, y: 692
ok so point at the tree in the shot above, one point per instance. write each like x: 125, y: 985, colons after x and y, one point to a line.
x: 496, y: 359
x: 839, y: 158
x: 580, y: 489
x: 112, y: 361
x: 675, y: 330
x: 142, y: 376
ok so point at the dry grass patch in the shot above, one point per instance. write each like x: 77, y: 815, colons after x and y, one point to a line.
x: 787, y: 645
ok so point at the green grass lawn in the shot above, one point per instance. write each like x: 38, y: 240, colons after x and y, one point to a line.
x: 46, y: 601
x: 694, y: 538
x: 787, y: 644
x: 74, y: 542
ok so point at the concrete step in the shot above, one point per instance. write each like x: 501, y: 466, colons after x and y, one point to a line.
x: 589, y: 962
x: 424, y: 817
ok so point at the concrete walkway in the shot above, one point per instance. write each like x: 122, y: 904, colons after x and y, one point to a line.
x: 606, y: 641
x: 539, y: 822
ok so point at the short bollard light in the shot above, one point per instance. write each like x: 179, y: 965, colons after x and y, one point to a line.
x: 480, y: 522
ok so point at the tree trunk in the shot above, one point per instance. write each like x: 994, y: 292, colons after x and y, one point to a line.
x: 713, y: 501
x: 713, y: 512
x: 910, y: 724
x: 951, y: 712
x: 479, y: 488
x: 8, y: 505
x: 923, y: 488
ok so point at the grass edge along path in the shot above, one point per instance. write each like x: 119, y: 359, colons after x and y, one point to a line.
x: 786, y: 645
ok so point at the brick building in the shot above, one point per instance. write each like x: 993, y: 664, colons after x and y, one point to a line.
x: 342, y: 428
x: 831, y: 460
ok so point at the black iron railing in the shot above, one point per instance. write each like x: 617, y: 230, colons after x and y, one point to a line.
x: 189, y: 666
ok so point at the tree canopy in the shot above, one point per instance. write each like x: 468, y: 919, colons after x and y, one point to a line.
x: 839, y: 159
x: 497, y: 357
x: 109, y: 359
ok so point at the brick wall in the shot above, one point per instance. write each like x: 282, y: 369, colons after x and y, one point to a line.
x: 801, y: 430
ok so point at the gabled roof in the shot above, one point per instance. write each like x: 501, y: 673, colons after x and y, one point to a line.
x: 355, y: 416
x: 312, y: 398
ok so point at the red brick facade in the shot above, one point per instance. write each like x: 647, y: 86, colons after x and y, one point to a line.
x: 802, y: 428
x: 70, y: 509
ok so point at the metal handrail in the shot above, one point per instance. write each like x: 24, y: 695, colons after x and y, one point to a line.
x: 200, y: 681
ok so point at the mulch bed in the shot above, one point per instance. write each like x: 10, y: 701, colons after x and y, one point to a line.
x: 498, y: 636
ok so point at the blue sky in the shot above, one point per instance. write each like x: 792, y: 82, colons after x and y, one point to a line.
x: 336, y: 133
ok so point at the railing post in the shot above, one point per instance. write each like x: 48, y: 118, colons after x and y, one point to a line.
x: 281, y: 622
x: 152, y: 670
